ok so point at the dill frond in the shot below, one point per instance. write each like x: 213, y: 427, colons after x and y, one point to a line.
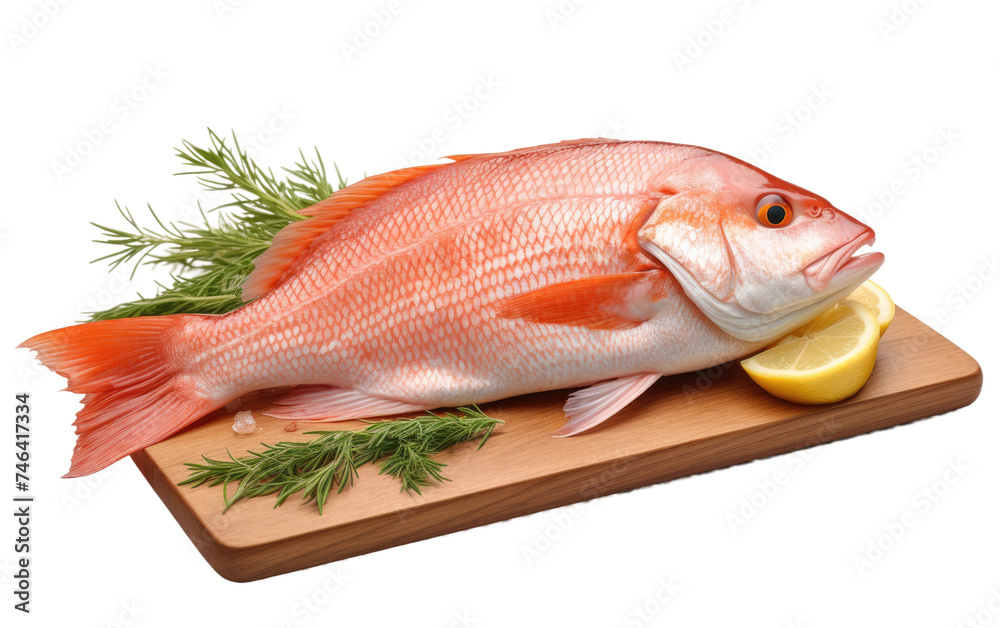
x: 402, y: 448
x: 211, y: 259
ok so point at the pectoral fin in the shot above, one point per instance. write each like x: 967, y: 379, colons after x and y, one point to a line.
x: 592, y: 405
x: 619, y: 301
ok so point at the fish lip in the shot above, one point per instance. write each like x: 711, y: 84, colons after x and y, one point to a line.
x: 821, y: 272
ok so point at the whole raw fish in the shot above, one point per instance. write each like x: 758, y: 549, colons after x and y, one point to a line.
x: 593, y: 262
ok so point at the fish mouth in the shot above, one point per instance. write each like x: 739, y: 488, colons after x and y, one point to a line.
x: 842, y: 262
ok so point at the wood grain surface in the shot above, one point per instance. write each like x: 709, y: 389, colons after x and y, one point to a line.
x: 683, y: 425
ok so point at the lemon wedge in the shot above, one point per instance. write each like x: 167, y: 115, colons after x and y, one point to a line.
x: 877, y: 300
x: 825, y: 361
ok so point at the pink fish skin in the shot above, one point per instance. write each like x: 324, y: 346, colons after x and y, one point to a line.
x: 597, y: 263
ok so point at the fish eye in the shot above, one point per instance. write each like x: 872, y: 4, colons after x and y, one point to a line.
x: 774, y: 211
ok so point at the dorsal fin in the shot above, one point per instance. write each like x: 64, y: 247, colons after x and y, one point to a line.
x: 531, y: 149
x: 271, y: 265
x: 294, y: 239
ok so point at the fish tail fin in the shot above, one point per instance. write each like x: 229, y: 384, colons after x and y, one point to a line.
x: 131, y: 373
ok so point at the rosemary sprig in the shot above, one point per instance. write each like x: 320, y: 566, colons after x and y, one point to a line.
x: 402, y: 448
x: 213, y: 259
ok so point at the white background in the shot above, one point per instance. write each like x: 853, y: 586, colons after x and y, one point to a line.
x: 280, y: 76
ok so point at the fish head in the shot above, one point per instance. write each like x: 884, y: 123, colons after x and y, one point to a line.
x: 758, y: 255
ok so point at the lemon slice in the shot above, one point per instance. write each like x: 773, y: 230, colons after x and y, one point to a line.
x: 827, y: 360
x: 877, y: 300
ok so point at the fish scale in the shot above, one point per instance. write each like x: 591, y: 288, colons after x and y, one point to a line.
x: 506, y: 237
x: 409, y: 295
x: 587, y: 262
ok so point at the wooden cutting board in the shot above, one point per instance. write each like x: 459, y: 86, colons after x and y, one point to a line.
x: 683, y: 425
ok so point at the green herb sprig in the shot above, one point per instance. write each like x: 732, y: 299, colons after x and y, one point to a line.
x: 402, y: 448
x: 212, y: 260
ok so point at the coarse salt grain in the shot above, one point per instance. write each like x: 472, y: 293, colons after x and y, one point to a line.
x: 244, y: 423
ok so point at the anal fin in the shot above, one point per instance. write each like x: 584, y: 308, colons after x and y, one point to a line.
x: 327, y: 403
x: 592, y: 405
